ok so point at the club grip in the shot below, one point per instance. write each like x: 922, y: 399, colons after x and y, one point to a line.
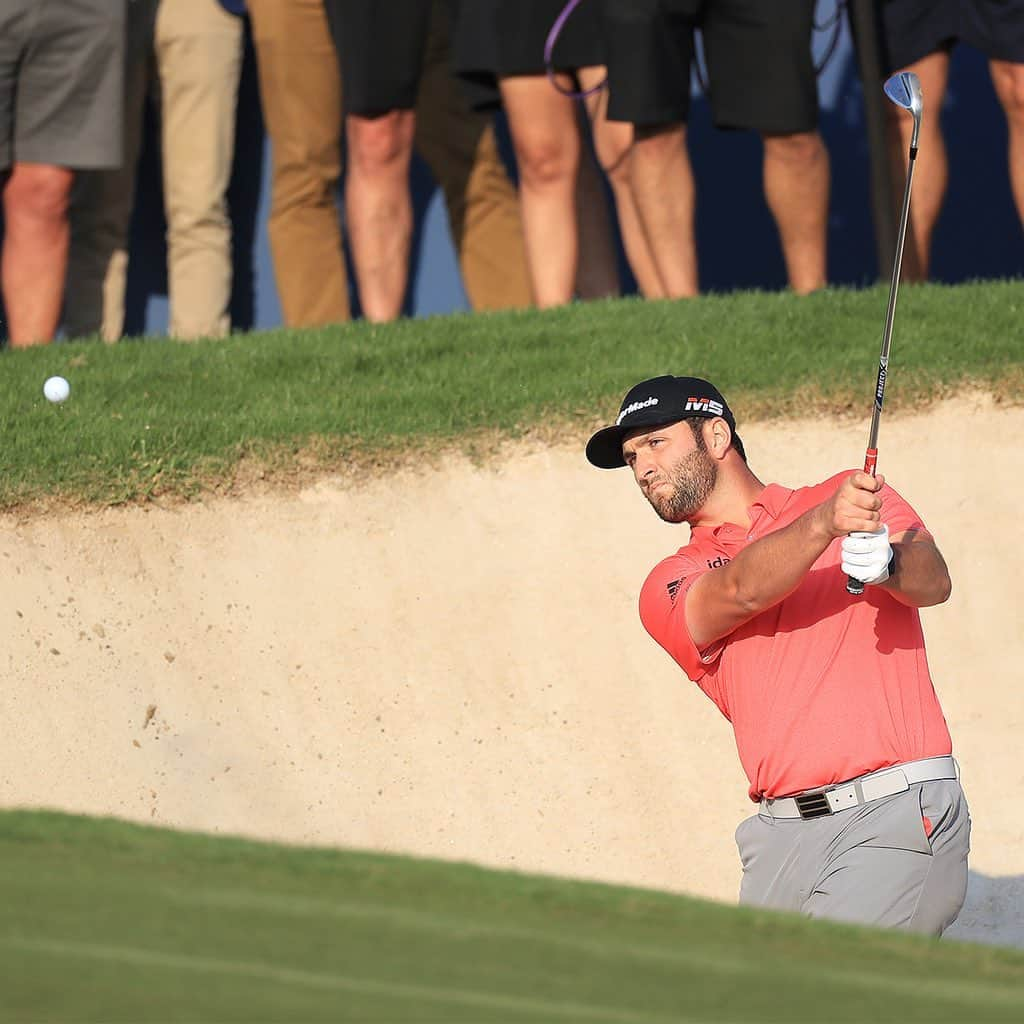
x: 853, y: 586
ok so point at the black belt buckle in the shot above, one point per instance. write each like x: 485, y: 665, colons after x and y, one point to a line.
x: 813, y: 805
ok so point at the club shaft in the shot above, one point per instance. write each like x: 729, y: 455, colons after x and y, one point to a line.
x: 894, y: 287
x: 854, y: 586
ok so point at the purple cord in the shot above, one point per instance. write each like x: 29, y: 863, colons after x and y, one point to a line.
x: 549, y: 46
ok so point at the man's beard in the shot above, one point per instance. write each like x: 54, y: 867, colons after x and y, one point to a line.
x: 692, y: 480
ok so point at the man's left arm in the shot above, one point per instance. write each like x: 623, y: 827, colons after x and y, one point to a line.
x: 907, y: 562
x: 919, y: 577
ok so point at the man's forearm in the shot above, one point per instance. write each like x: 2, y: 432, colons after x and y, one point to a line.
x: 919, y: 578
x: 771, y: 568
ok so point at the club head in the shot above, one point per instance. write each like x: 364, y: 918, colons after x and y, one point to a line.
x: 904, y: 89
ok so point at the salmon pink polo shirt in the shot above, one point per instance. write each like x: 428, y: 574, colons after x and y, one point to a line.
x: 820, y: 688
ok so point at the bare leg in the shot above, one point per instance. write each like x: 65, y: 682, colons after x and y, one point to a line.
x: 1008, y: 80
x: 796, y: 185
x: 547, y: 145
x: 931, y: 170
x: 35, y: 250
x: 613, y: 141
x: 663, y: 190
x: 378, y: 208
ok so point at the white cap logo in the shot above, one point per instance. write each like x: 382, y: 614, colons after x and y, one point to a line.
x: 708, y: 405
x: 635, y: 407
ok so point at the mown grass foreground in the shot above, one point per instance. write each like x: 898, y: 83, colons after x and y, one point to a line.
x: 106, y: 921
x: 150, y: 418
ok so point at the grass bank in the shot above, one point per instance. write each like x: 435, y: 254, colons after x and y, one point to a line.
x: 150, y: 418
x: 115, y: 922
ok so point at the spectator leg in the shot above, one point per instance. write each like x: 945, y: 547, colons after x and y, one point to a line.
x: 1008, y: 79
x: 35, y: 250
x: 931, y: 169
x: 300, y: 88
x: 663, y: 190
x: 461, y: 149
x: 613, y: 141
x: 547, y: 146
x: 378, y: 208
x: 796, y: 186
x: 101, y: 204
x: 492, y: 250
x: 97, y: 257
x: 597, y: 267
x: 199, y: 58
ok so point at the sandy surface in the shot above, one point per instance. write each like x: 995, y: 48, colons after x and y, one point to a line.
x: 451, y: 663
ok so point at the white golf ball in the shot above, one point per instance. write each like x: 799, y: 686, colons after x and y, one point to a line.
x: 56, y: 389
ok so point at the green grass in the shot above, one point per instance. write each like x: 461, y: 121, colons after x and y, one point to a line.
x: 106, y: 921
x: 158, y: 418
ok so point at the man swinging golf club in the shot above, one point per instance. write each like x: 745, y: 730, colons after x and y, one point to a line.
x: 861, y: 816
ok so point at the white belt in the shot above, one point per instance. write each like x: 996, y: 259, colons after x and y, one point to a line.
x: 816, y: 803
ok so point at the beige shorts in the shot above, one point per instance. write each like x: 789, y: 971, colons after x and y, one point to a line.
x: 61, y: 82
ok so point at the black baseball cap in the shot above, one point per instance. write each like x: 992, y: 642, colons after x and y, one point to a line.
x: 656, y: 403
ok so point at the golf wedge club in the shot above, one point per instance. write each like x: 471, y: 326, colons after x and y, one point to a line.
x: 904, y: 90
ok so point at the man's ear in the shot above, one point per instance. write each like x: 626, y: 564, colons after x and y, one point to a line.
x: 718, y: 437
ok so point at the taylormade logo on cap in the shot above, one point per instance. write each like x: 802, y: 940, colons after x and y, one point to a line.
x: 635, y: 407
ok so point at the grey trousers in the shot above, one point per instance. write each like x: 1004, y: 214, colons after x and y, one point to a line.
x: 897, y: 862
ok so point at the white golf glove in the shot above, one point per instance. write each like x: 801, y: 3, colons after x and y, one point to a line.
x: 867, y: 556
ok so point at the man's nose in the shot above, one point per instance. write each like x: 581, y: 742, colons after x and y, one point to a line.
x: 643, y: 466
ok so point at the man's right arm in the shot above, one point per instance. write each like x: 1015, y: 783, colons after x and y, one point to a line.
x: 771, y: 568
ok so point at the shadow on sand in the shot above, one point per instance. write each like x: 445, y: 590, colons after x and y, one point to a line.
x: 993, y: 911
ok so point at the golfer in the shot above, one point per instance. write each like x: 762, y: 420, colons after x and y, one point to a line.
x: 861, y: 816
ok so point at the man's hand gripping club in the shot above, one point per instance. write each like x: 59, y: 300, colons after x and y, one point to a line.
x: 854, y: 513
x: 867, y: 557
x: 769, y: 569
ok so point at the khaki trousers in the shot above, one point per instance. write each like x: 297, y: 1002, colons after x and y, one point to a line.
x: 300, y: 87
x: 199, y: 60
x: 197, y: 47
x: 461, y: 150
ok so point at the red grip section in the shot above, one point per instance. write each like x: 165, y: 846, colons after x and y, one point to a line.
x: 870, y: 461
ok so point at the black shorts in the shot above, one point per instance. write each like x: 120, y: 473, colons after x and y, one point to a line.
x: 380, y: 49
x: 913, y: 29
x: 499, y: 38
x: 758, y: 57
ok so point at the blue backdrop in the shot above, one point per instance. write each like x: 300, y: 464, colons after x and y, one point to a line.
x: 979, y: 233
